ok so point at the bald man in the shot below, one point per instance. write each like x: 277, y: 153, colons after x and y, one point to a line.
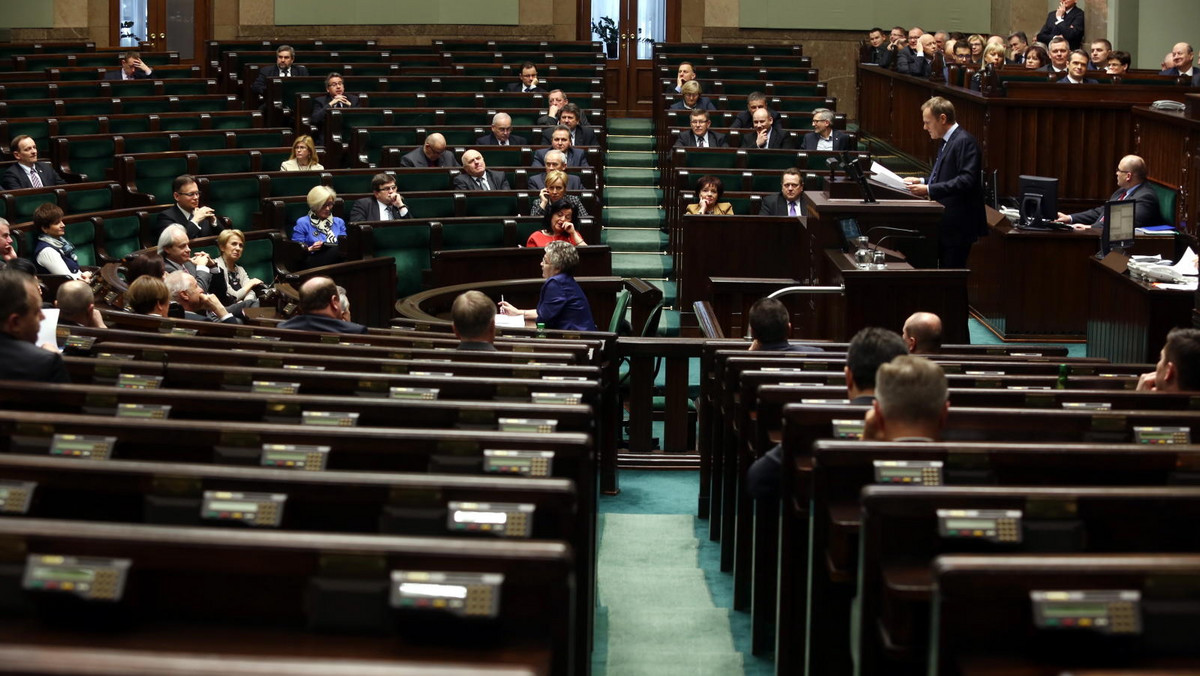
x: 321, y: 309
x: 476, y: 175
x: 1183, y: 59
x: 922, y: 333
x: 1131, y: 185
x: 501, y: 133
x: 76, y: 305
x: 432, y: 154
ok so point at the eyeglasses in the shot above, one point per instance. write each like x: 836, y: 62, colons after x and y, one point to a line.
x: 386, y: 188
x: 194, y: 193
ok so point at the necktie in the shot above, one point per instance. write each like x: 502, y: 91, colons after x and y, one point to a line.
x: 286, y: 73
x: 34, y: 179
x: 701, y: 142
x: 393, y: 212
x: 791, y: 208
x: 482, y: 183
x: 936, y: 163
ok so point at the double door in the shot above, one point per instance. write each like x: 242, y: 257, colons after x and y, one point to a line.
x: 161, y: 26
x: 627, y: 30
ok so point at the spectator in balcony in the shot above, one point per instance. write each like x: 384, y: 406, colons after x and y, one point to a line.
x: 1101, y: 49
x: 432, y: 154
x: 560, y: 140
x: 554, y: 160
x: 321, y: 309
x: 1018, y: 44
x: 529, y: 80
x: 1066, y: 22
x: 20, y: 320
x: 52, y: 252
x: 1036, y: 58
x: 476, y: 175
x: 765, y: 136
x: 824, y: 136
x: 27, y: 172
x: 921, y: 64
x: 501, y: 134
x: 319, y: 231
x: 692, y: 100
x: 558, y: 225
x: 335, y: 96
x: 561, y: 304
x: 709, y: 191
x: 699, y: 135
x: 1060, y: 53
x: 131, y: 68
x: 148, y: 295
x: 879, y: 54
x: 1182, y: 63
x: 1118, y: 63
x: 285, y: 66
x: 303, y: 157
x: 555, y: 190
x: 977, y: 43
x: 569, y: 117
x: 993, y: 59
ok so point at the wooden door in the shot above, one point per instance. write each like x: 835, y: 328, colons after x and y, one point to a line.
x: 628, y: 29
x: 161, y: 26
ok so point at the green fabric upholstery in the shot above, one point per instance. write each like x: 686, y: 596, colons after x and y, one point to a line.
x: 92, y: 157
x: 154, y: 175
x: 231, y: 163
x: 1166, y: 202
x: 147, y: 144
x: 296, y: 183
x: 83, y: 236
x: 472, y: 235
x: 236, y: 199
x: 121, y: 235
x: 408, y: 245
x: 83, y: 201
x: 431, y: 207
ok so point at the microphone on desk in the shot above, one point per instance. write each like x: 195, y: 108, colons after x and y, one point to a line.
x: 899, y: 233
x: 853, y: 171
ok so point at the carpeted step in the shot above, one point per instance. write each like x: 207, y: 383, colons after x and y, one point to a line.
x: 634, y: 217
x: 630, y: 125
x: 630, y: 143
x: 644, y: 265
x: 668, y: 326
x: 632, y: 197
x: 630, y: 159
x: 634, y: 239
x: 632, y: 177
x: 670, y: 290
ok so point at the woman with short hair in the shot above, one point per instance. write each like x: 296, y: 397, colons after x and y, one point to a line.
x: 148, y: 295
x: 319, y: 231
x: 239, y: 286
x: 561, y: 303
x: 558, y: 225
x: 52, y: 253
x: 709, y: 190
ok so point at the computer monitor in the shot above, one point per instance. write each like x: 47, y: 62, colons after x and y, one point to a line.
x: 1039, y: 199
x: 1118, y: 228
x: 848, y: 229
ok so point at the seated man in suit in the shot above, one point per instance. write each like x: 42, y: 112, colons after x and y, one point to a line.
x: 919, y: 63
x: 196, y: 220
x: 786, y: 202
x: 285, y: 66
x: 764, y: 134
x: 1131, y: 185
x: 529, y: 80
x: 131, y: 68
x: 20, y: 319
x: 922, y: 333
x: 557, y: 100
x: 1077, y: 68
x: 1182, y: 63
x: 197, y: 305
x: 76, y: 305
x: 384, y: 204
x: 432, y: 153
x: 335, y: 96
x: 1101, y: 49
x: 501, y: 133
x: 569, y: 117
x: 1060, y: 52
x: 1178, y: 367
x: 474, y: 318
x: 560, y: 140
x: 879, y: 54
x: 476, y: 175
x: 176, y: 252
x: 1018, y: 44
x: 27, y: 172
x: 686, y: 73
x: 754, y: 101
x: 699, y: 135
x: 824, y: 136
x: 321, y: 309
x: 771, y: 326
x: 911, y: 401
x: 555, y: 160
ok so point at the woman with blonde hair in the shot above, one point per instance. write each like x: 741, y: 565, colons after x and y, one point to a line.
x: 319, y: 231
x: 239, y: 287
x: 304, y: 156
x: 555, y: 190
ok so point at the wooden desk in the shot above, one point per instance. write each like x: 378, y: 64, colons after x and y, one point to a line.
x: 887, y: 297
x: 736, y: 246
x: 1028, y: 285
x: 892, y: 210
x: 1128, y: 320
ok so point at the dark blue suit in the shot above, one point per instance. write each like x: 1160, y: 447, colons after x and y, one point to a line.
x: 841, y: 140
x: 1146, y: 213
x: 955, y: 183
x: 138, y: 74
x: 1071, y: 28
x: 562, y: 305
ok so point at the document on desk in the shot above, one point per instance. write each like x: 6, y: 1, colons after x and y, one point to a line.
x: 48, y: 330
x: 1187, y: 263
x: 510, y: 321
x: 887, y: 177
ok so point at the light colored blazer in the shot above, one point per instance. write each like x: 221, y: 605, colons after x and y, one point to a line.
x: 290, y: 165
x: 722, y: 209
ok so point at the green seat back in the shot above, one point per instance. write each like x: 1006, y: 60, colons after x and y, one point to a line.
x: 431, y: 207
x: 461, y: 117
x: 258, y: 261
x: 261, y: 139
x: 121, y: 235
x: 45, y: 109
x: 408, y: 245
x: 373, y: 69
x: 413, y: 118
x: 1166, y: 202
x: 742, y: 88
x: 79, y: 90
x: 83, y: 201
x: 763, y: 183
x: 154, y: 175
x: 40, y: 92
x: 527, y: 227
x: 701, y: 158
x: 83, y: 236
x: 741, y: 205
x: 76, y: 75
x: 214, y: 140
x: 147, y: 144
x: 233, y: 121
x: 152, y: 107
x: 377, y: 139
x: 614, y: 322
x: 272, y: 158
x: 38, y: 130
x: 189, y: 87
x: 124, y: 88
x: 224, y: 163
x: 502, y: 156
x: 418, y: 85
x: 124, y: 125
x: 236, y: 199
x: 422, y: 182
x: 518, y: 119
x: 732, y: 180
x: 796, y: 120
x: 203, y: 105
x: 180, y: 123
x: 348, y: 184
x: 482, y: 203
x: 776, y: 160
x: 460, y: 137
x: 292, y: 212
x: 93, y: 60
x: 295, y: 183
x: 25, y: 205
x: 472, y: 235
x: 445, y: 100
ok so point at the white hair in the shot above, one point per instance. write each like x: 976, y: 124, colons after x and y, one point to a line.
x: 167, y: 237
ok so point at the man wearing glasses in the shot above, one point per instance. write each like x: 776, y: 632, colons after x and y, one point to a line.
x: 384, y: 204
x: 197, y: 220
x: 1131, y: 179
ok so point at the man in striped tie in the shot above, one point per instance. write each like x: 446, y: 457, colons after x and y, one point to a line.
x: 27, y: 172
x: 1131, y: 185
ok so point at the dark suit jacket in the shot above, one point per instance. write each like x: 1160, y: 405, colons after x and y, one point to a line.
x: 918, y: 65
x: 776, y: 205
x: 715, y: 140
x: 575, y: 158
x: 778, y: 139
x: 745, y: 121
x: 367, y: 209
x: 320, y: 105
x: 209, y: 283
x: 880, y: 56
x: 20, y: 360
x: 1086, y: 80
x: 1174, y: 72
x: 229, y: 319
x: 490, y: 140
x: 15, y: 177
x: 476, y: 346
x: 957, y: 187
x: 1145, y: 212
x: 703, y: 103
x: 138, y: 74
x: 272, y: 71
x: 174, y: 214
x: 322, y: 324
x: 518, y: 86
x: 583, y: 136
x: 841, y: 141
x: 416, y: 158
x: 496, y: 179
x: 538, y: 181
x: 1071, y: 28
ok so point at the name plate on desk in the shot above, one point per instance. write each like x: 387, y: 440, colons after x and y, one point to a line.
x: 136, y: 381
x: 82, y: 446
x: 461, y: 594
x: 261, y: 510
x: 147, y: 411
x: 1108, y: 611
x: 421, y: 393
x: 992, y: 525
x: 908, y: 472
x: 274, y: 387
x: 555, y: 397
x: 330, y: 418
x: 528, y: 425
x: 512, y: 520
x: 848, y: 429
x: 1162, y: 435
x: 15, y: 496
x: 1087, y: 405
x: 89, y: 578
x: 295, y: 456
x: 521, y: 463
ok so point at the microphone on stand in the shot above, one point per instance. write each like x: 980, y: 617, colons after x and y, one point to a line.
x: 898, y: 233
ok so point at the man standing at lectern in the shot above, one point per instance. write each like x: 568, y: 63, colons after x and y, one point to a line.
x: 954, y: 182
